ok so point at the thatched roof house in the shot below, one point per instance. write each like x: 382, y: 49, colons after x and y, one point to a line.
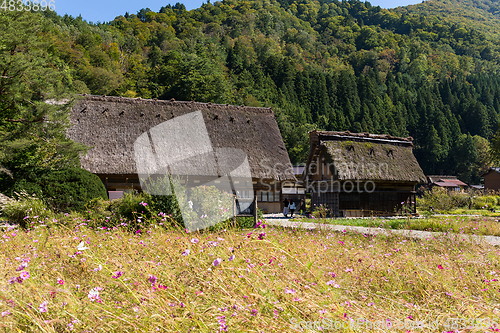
x: 111, y: 125
x: 362, y: 172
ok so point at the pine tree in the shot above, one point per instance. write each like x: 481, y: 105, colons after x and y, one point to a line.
x: 466, y: 168
x: 32, y: 129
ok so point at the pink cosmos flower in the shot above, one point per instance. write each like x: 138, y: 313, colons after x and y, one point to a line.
x: 22, y: 267
x: 60, y: 281
x: 195, y: 240
x: 152, y: 279
x: 43, y: 307
x: 186, y: 252
x: 289, y: 291
x: 24, y: 275
x: 440, y: 267
x: 217, y: 262
x: 231, y: 258
x: 117, y: 274
x: 6, y: 313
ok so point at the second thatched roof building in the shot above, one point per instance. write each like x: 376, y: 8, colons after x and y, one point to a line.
x: 361, y: 174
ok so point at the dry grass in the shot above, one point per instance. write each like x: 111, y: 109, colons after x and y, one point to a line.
x: 284, y: 278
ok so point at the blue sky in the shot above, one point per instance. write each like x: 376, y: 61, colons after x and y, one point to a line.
x: 107, y: 10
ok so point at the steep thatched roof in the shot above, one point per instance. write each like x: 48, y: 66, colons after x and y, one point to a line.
x: 363, y: 156
x: 112, y: 124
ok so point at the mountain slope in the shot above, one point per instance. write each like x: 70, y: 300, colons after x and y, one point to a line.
x: 483, y: 15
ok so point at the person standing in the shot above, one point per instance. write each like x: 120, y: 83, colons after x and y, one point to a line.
x: 292, y: 208
x: 302, y: 206
x: 285, y: 207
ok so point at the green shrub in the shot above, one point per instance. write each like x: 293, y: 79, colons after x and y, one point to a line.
x: 441, y: 199
x: 25, y: 183
x: 208, y: 205
x: 4, y: 201
x: 248, y: 222
x: 141, y: 209
x: 71, y: 189
x: 26, y: 210
x: 131, y: 206
x: 98, y: 212
x: 321, y: 212
x: 166, y: 205
x: 62, y: 190
x: 485, y: 202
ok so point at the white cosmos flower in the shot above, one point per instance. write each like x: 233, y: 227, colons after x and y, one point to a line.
x: 82, y: 247
x: 94, y: 294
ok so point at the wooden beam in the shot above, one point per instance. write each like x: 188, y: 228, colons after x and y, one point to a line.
x: 255, y: 208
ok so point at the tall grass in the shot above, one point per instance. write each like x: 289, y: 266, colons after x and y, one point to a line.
x: 256, y: 280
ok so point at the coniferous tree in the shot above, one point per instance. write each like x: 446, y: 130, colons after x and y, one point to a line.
x: 33, y: 120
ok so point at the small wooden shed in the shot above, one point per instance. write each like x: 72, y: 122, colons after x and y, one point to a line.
x: 492, y: 180
x: 362, y: 174
x: 111, y: 125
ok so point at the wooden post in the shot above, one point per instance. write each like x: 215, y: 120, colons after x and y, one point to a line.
x: 414, y: 200
x: 280, y: 186
x: 255, y: 207
x: 234, y: 211
x: 106, y: 185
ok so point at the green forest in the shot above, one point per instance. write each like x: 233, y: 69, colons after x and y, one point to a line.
x: 429, y: 71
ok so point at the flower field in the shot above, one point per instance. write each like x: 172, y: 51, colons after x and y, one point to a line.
x: 100, y: 279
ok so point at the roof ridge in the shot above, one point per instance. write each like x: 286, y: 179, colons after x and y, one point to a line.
x: 122, y: 99
x: 363, y: 135
x: 379, y: 138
